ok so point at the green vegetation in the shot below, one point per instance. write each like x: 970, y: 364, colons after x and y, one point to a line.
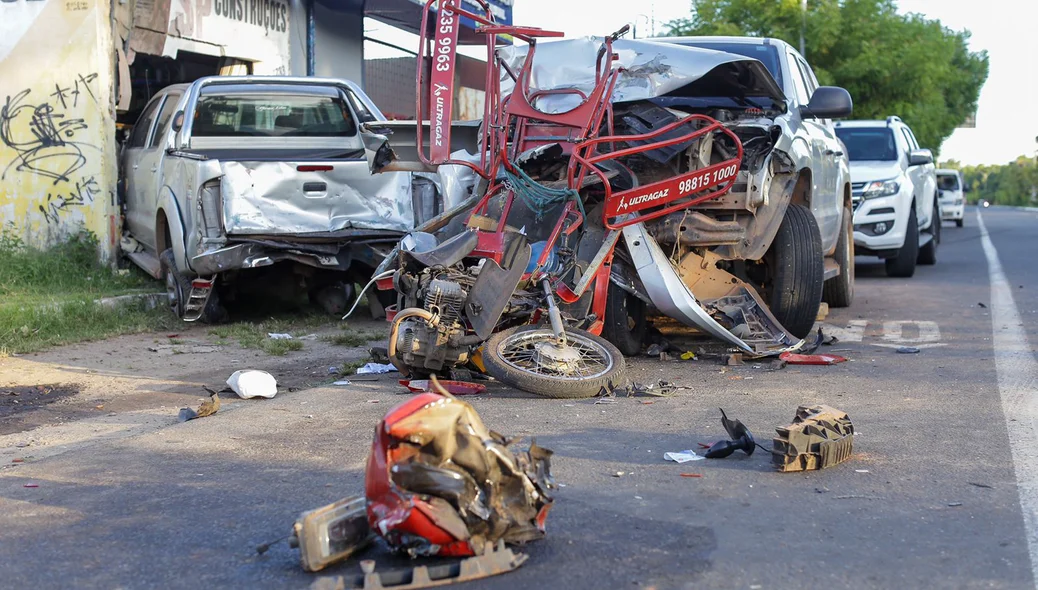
x: 48, y: 298
x: 352, y: 338
x: 891, y: 64
x: 252, y: 335
x: 1015, y: 183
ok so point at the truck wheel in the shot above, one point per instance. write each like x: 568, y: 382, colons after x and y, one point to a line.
x: 839, y: 290
x: 625, y: 321
x: 526, y: 358
x: 958, y: 222
x: 903, y: 265
x: 798, y: 271
x: 928, y: 253
x: 178, y: 287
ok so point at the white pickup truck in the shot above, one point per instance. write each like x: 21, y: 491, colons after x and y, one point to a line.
x: 226, y: 176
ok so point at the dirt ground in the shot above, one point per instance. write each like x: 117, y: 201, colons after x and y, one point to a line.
x: 154, y: 374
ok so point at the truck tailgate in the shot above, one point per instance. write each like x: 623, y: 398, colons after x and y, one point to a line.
x: 261, y: 197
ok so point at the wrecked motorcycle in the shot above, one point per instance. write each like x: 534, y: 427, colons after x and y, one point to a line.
x: 526, y: 275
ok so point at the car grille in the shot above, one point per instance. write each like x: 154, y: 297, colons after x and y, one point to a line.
x: 857, y: 188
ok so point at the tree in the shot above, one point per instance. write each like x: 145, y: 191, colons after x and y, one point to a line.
x: 1015, y: 183
x: 892, y: 64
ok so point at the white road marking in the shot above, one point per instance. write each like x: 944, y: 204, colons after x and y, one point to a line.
x: 928, y: 332
x: 893, y: 332
x: 1018, y: 386
x: 852, y: 333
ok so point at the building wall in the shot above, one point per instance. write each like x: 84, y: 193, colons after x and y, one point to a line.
x: 57, y: 154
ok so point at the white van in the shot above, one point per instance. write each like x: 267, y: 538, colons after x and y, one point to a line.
x: 951, y: 196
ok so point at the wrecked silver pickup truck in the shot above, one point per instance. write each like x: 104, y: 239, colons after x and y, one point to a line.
x: 230, y: 174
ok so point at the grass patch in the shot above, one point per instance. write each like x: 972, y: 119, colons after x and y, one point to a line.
x: 254, y: 335
x: 350, y: 367
x: 47, y: 297
x: 353, y: 339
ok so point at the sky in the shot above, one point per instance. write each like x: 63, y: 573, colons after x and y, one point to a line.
x: 1007, y: 125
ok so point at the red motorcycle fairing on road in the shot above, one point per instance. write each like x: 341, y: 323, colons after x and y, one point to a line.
x: 438, y: 482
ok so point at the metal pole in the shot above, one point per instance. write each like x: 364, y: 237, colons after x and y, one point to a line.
x: 803, y: 26
x: 311, y: 39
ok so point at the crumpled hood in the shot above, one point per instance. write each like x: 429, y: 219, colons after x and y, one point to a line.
x: 870, y: 170
x: 652, y: 69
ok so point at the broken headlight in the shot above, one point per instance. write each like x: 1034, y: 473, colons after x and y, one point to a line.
x: 881, y: 188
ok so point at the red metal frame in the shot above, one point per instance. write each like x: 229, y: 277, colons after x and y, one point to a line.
x: 576, y: 130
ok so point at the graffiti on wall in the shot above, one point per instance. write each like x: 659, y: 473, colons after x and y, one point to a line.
x: 49, y: 141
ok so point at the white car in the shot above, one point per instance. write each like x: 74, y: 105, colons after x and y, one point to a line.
x: 894, y: 188
x: 951, y: 196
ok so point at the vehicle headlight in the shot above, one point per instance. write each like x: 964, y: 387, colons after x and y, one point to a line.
x: 881, y: 188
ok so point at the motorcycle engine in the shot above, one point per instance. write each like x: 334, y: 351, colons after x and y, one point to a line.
x: 426, y: 348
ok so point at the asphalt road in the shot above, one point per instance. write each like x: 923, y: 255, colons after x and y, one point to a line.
x: 934, y: 496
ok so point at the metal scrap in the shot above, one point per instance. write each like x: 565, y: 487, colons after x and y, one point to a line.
x: 819, y: 437
x: 207, y: 408
x: 493, y: 561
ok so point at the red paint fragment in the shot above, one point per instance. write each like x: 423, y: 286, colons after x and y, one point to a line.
x: 811, y: 359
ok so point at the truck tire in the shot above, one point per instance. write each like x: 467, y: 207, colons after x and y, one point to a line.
x: 798, y: 273
x: 928, y: 253
x: 178, y: 287
x: 903, y: 264
x: 839, y: 290
x: 625, y: 322
x: 958, y: 222
x: 507, y: 359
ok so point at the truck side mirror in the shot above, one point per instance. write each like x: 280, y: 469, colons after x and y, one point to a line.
x: 178, y: 121
x: 920, y: 157
x: 828, y: 102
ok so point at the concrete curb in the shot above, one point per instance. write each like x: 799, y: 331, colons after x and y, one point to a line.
x: 150, y: 300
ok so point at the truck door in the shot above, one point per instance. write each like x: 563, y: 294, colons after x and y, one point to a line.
x: 139, y: 221
x: 825, y: 198
x: 150, y: 170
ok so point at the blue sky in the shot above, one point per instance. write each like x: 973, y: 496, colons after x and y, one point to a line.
x: 1007, y: 29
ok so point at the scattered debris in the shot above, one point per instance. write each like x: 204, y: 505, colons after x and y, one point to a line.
x: 821, y: 490
x: 494, y: 561
x: 691, y: 475
x: 734, y: 359
x: 605, y: 400
x: 343, y: 382
x: 619, y: 474
x: 207, y: 408
x: 659, y: 389
x: 819, y: 437
x: 682, y: 456
x: 982, y: 305
x: 861, y: 471
x: 907, y: 350
x: 279, y: 336
x: 981, y: 485
x: 688, y: 356
x: 333, y: 370
x: 23, y: 460
x: 655, y: 350
x: 811, y: 359
x: 252, y: 383
x: 954, y: 504
x: 374, y: 401
x: 741, y: 440
x: 376, y: 369
x: 31, y: 485
x: 855, y: 497
x: 331, y: 533
x: 452, y: 387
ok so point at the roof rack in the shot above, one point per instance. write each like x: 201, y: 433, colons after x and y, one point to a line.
x: 893, y: 119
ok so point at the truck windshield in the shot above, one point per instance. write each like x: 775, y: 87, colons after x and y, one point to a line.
x: 948, y: 182
x: 868, y: 143
x: 766, y: 54
x: 257, y: 114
